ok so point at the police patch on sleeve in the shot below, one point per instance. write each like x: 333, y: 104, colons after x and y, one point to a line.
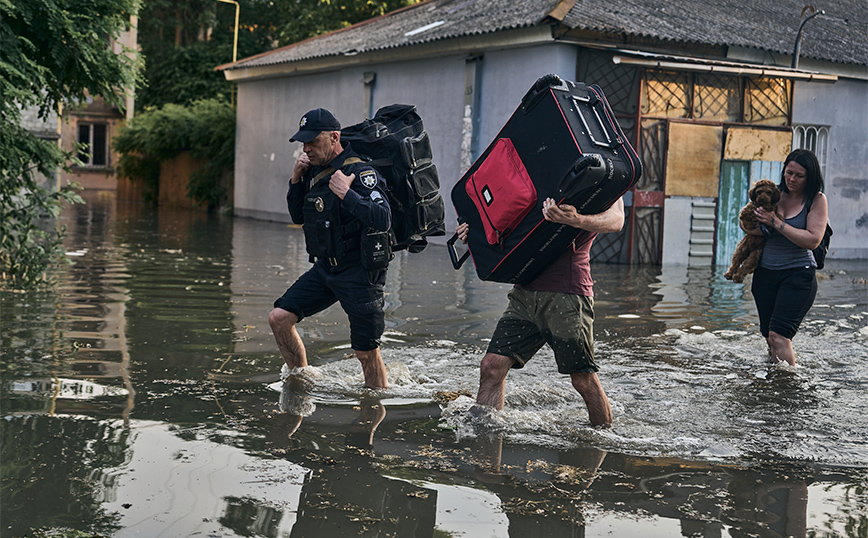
x: 368, y: 178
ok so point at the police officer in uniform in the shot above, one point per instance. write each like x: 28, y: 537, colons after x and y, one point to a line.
x: 338, y: 199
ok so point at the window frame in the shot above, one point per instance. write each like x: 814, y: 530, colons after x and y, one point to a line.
x: 84, y: 151
x: 814, y: 138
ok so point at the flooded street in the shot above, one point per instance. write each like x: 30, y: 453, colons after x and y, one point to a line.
x: 141, y: 397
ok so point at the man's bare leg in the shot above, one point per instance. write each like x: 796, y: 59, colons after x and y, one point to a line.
x: 492, y: 380
x: 288, y: 341
x: 373, y: 368
x: 588, y: 385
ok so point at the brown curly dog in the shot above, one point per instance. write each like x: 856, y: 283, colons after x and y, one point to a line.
x: 747, y: 254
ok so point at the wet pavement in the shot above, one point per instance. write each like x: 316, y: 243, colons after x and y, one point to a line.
x: 141, y: 397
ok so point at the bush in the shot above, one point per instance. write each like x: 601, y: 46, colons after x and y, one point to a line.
x: 205, y: 129
x: 50, y: 53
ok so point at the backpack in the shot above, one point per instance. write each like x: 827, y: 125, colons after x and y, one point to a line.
x: 398, y: 147
x: 823, y: 248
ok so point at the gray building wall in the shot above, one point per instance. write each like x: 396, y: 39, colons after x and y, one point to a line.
x: 47, y: 129
x: 269, y: 110
x: 31, y: 121
x: 508, y: 74
x: 843, y: 107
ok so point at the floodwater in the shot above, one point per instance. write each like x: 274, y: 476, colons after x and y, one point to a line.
x: 141, y: 398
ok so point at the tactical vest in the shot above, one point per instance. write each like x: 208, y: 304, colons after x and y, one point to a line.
x: 326, y: 237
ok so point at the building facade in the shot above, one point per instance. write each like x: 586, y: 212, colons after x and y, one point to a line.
x: 708, y: 118
x: 87, y: 129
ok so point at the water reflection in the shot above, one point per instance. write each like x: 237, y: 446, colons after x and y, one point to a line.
x: 142, y: 395
x: 347, y: 494
x: 680, y: 288
x: 59, y: 459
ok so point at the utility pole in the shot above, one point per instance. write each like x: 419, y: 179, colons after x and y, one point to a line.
x: 796, y: 49
x: 234, y: 44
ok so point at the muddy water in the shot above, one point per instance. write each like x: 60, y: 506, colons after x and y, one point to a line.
x: 141, y: 397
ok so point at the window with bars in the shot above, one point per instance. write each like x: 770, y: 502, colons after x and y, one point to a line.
x: 767, y: 101
x: 814, y: 138
x: 712, y: 97
x: 93, y: 148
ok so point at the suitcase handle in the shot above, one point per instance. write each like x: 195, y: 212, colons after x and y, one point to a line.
x: 612, y: 141
x: 539, y: 89
x: 453, y: 254
x: 590, y: 167
x: 588, y: 171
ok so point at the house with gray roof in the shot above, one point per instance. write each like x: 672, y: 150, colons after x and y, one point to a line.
x: 712, y: 96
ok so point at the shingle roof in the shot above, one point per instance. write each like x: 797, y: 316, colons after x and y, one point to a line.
x: 839, y: 35
x: 444, y: 19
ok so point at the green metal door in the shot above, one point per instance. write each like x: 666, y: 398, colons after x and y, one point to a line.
x: 732, y: 196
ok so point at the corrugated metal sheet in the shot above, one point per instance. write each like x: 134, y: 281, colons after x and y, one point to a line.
x: 444, y: 19
x: 839, y: 35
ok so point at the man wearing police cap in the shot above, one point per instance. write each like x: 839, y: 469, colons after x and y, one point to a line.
x: 340, y: 202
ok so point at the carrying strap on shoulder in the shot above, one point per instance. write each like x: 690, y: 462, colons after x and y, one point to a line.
x: 328, y: 171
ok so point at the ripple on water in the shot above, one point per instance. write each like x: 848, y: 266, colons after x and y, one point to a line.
x: 686, y: 393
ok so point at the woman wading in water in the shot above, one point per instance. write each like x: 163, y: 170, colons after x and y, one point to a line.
x: 785, y: 282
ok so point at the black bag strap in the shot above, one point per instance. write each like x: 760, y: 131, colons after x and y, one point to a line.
x: 810, y: 202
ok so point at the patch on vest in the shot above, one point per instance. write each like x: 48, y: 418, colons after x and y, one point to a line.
x: 368, y: 178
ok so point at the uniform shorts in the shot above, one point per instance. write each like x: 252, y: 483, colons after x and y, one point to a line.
x: 783, y: 298
x: 359, y: 292
x: 563, y: 321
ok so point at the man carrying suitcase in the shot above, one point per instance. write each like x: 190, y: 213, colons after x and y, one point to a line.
x: 556, y: 308
x: 336, y: 197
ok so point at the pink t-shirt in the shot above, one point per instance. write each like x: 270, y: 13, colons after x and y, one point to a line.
x: 571, y: 272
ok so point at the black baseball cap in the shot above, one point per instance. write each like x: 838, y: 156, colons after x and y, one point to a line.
x: 313, y: 123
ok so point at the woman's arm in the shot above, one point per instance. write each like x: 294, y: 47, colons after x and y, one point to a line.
x: 810, y: 237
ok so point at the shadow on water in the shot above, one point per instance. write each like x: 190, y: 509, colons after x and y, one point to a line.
x: 141, y: 397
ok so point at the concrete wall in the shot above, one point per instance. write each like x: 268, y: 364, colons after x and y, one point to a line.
x: 843, y: 107
x: 677, y: 211
x: 508, y: 74
x: 47, y: 129
x: 269, y: 110
x: 31, y: 121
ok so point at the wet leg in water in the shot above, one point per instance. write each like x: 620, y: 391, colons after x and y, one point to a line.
x: 781, y: 348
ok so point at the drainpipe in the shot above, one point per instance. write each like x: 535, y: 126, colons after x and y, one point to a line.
x: 813, y: 13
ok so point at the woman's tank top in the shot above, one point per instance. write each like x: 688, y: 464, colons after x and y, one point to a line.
x: 780, y: 253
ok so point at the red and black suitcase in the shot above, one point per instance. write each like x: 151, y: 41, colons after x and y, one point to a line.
x: 563, y: 142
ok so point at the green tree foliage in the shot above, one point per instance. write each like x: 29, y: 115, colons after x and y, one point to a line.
x: 184, y: 40
x: 301, y: 19
x: 51, y: 52
x: 182, y: 102
x: 205, y: 129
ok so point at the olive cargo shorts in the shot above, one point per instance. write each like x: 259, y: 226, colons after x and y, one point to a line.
x: 535, y: 318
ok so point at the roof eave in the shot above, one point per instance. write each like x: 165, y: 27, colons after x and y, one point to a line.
x: 519, y: 37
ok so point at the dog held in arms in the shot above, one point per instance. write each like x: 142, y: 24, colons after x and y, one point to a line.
x: 765, y: 194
